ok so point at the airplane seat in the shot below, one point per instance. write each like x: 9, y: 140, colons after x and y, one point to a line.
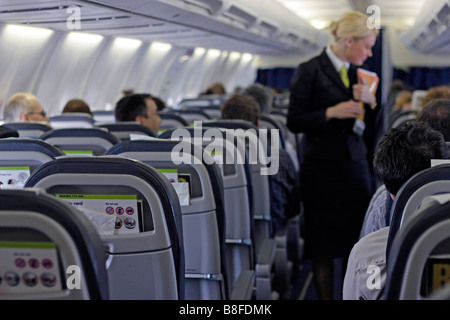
x: 418, y: 264
x: 124, y: 129
x: 262, y: 207
x: 192, y: 114
x: 103, y: 116
x: 292, y: 140
x: 263, y: 245
x: 80, y: 141
x: 416, y: 99
x: 72, y: 120
x: 19, y: 157
x: 202, y: 205
x: 171, y: 120
x: 137, y: 213
x: 441, y: 293
x: 403, y: 117
x: 269, y: 122
x: 47, y: 250
x: 6, y: 132
x: 433, y: 180
x: 29, y: 129
x: 237, y: 206
x: 210, y: 105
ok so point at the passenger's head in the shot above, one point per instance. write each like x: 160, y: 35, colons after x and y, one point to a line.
x: 241, y: 107
x: 160, y: 104
x: 406, y: 150
x: 403, y: 101
x: 24, y: 106
x: 139, y: 108
x: 438, y: 92
x: 353, y: 37
x: 436, y: 114
x: 263, y: 95
x: 77, y: 105
x: 216, y: 88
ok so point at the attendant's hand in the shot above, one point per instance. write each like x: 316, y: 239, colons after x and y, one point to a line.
x: 361, y: 93
x: 346, y: 109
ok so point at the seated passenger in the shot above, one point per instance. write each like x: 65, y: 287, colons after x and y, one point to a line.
x: 140, y: 108
x: 436, y: 114
x: 24, y: 107
x: 78, y: 106
x: 413, y: 141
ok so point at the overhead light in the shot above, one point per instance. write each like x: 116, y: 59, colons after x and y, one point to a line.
x: 85, y: 38
x: 235, y: 55
x: 161, y: 46
x: 247, y: 57
x: 319, y: 24
x: 214, y: 53
x: 200, y: 51
x: 22, y: 31
x: 127, y: 43
x: 409, y: 21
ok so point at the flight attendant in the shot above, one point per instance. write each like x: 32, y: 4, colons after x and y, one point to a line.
x: 325, y: 103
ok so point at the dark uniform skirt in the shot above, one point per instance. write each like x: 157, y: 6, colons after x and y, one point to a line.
x: 335, y: 198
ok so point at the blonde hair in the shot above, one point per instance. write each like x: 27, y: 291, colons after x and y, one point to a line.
x: 351, y: 24
x: 437, y: 92
x: 403, y: 97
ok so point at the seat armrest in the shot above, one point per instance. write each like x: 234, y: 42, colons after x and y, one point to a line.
x: 264, y: 265
x: 244, y: 287
x: 266, y: 258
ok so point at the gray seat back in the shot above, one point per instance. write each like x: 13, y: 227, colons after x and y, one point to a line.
x: 418, y: 262
x: 48, y: 250
x: 81, y: 141
x: 202, y: 211
x: 135, y: 209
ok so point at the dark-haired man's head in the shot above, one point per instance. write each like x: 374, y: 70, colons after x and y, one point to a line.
x: 436, y: 114
x: 406, y: 150
x: 139, y: 108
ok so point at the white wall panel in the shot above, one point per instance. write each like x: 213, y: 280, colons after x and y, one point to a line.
x: 109, y: 74
x: 68, y: 70
x: 24, y: 52
x: 59, y: 66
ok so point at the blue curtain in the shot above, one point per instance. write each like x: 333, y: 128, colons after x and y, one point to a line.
x: 423, y: 78
x: 275, y: 77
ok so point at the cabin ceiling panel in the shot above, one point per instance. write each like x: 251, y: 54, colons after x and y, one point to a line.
x: 225, y: 25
